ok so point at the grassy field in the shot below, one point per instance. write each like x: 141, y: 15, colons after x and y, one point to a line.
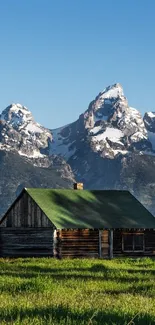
x: 49, y: 291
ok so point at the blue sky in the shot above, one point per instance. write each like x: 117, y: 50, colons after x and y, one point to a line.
x: 57, y: 55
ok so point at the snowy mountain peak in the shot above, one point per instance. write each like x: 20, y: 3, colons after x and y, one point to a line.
x: 20, y: 132
x: 151, y: 114
x: 113, y: 91
x: 149, y: 121
x: 107, y: 98
x: 110, y: 102
x: 109, y: 126
x: 16, y: 115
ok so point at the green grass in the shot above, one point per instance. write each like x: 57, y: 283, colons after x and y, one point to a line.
x: 81, y: 291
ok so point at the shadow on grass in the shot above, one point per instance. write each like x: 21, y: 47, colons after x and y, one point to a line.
x: 140, y: 290
x: 25, y: 287
x: 125, y: 285
x: 64, y: 315
x: 96, y: 272
x: 96, y: 268
x: 67, y: 276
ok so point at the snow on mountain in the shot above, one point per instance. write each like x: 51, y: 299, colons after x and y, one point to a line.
x: 112, y: 134
x: 60, y: 145
x: 109, y: 127
x: 151, y: 114
x: 109, y: 146
x: 149, y: 121
x: 119, y: 126
x: 20, y: 132
x: 16, y: 115
x: 21, y: 119
x: 108, y: 95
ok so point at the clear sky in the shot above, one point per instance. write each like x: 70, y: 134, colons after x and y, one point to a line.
x: 57, y: 55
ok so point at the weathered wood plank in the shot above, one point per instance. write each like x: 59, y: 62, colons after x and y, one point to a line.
x: 111, y: 243
x: 26, y: 213
x: 79, y: 243
x: 105, y: 243
x: 100, y: 243
x: 26, y: 241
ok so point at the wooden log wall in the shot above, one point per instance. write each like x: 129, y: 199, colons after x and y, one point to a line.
x: 23, y: 242
x: 149, y: 237
x: 82, y: 243
x: 26, y: 213
x: 105, y: 244
x: 117, y: 243
x: 79, y: 243
x: 149, y: 243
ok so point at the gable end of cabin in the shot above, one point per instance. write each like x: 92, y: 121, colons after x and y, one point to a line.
x: 25, y: 230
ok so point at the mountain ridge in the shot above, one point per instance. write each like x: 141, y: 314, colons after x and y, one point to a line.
x: 109, y: 106
x: 99, y: 148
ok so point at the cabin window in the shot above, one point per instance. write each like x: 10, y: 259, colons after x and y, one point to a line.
x: 133, y: 242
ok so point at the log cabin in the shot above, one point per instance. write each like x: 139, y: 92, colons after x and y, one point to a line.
x: 77, y: 223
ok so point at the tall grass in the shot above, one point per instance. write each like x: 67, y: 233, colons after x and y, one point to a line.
x: 81, y: 291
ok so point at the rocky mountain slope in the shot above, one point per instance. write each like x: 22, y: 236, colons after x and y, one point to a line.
x: 110, y: 126
x: 110, y: 146
x: 24, y: 156
x: 17, y: 172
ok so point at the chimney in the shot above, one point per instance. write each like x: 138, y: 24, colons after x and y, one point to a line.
x: 78, y: 186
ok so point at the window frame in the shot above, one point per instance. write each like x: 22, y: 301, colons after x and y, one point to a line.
x: 133, y: 243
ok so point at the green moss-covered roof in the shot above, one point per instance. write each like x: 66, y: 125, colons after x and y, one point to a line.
x: 92, y: 209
